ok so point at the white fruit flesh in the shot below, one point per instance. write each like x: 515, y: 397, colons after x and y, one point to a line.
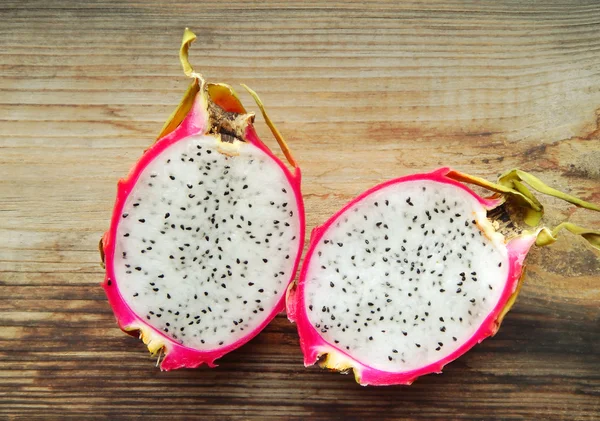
x: 406, y: 275
x: 206, y: 243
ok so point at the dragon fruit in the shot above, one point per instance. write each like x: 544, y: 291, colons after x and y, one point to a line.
x: 206, y: 232
x: 412, y: 273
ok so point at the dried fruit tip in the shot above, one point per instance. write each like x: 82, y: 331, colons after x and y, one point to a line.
x: 511, y: 184
x: 221, y: 94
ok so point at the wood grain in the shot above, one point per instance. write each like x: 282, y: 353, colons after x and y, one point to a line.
x: 364, y: 92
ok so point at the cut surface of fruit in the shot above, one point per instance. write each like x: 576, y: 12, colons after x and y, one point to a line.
x: 418, y: 273
x: 404, y: 279
x: 206, y: 232
x: 201, y: 254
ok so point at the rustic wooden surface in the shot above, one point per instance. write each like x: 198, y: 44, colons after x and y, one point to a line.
x: 364, y: 92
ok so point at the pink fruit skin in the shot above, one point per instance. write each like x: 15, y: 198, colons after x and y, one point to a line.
x: 176, y: 355
x: 313, y: 345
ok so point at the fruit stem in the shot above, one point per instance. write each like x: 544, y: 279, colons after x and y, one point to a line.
x: 546, y: 236
x: 187, y: 102
x: 533, y: 208
x: 513, y: 183
x: 188, y: 38
x: 515, y: 177
x: 276, y: 133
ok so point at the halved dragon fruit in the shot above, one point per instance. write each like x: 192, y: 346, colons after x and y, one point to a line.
x: 411, y: 274
x: 206, y: 232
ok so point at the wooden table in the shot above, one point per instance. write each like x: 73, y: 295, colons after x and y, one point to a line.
x: 364, y: 92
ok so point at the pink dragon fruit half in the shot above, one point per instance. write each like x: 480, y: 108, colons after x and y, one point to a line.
x: 412, y: 274
x: 206, y: 232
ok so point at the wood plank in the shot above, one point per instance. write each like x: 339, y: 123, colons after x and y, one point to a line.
x: 363, y: 91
